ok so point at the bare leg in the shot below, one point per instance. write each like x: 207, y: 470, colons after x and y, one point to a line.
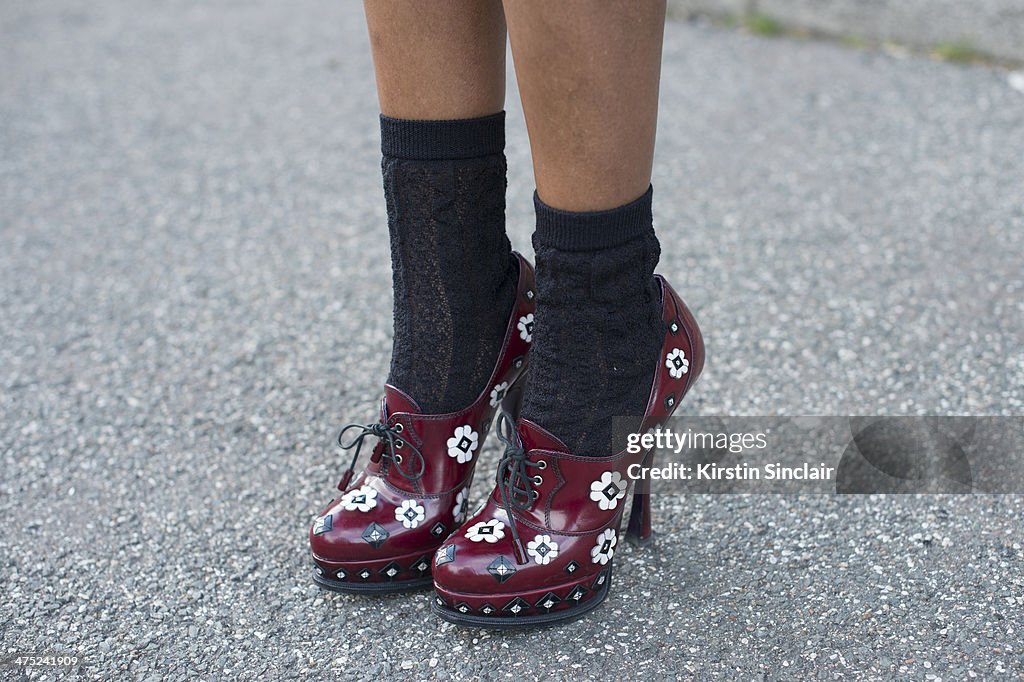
x: 588, y: 76
x: 441, y: 59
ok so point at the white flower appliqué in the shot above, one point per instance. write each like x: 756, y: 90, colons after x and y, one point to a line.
x: 361, y: 499
x: 604, y: 550
x: 526, y: 327
x: 497, y: 393
x: 461, y: 505
x: 543, y: 549
x: 608, y: 490
x: 486, y: 531
x: 410, y: 513
x: 463, y: 444
x: 677, y: 363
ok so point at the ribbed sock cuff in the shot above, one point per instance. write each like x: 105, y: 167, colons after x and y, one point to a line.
x: 569, y: 231
x: 440, y: 140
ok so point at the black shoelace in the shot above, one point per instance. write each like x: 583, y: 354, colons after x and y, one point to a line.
x: 391, y: 438
x: 514, y: 480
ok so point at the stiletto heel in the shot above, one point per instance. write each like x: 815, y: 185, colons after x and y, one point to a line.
x: 639, y: 531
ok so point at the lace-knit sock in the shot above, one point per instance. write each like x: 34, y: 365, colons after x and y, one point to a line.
x: 453, y: 271
x: 598, y: 328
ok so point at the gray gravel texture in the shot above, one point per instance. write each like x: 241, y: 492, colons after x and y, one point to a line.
x: 995, y: 27
x: 194, y: 295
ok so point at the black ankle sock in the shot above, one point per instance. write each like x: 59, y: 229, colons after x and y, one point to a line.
x: 453, y: 271
x: 598, y: 331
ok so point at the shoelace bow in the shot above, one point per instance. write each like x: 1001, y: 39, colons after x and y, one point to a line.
x: 391, y: 439
x: 513, y: 477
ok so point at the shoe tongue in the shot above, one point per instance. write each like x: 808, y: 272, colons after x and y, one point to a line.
x: 536, y: 437
x: 396, y: 400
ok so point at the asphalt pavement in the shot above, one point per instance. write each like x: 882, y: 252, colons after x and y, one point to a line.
x: 194, y: 295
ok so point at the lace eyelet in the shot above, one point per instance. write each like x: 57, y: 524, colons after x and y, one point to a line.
x: 542, y: 464
x: 537, y: 480
x: 398, y: 459
x: 399, y: 443
x: 534, y: 494
x: 398, y: 427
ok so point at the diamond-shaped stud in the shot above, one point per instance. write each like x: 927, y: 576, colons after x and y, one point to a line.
x: 501, y: 569
x: 365, y: 574
x: 439, y: 601
x: 674, y: 327
x: 517, y: 606
x: 375, y: 535
x: 341, y: 574
x: 487, y: 609
x: 602, y: 578
x: 422, y: 564
x: 445, y: 555
x: 530, y: 294
x: 577, y: 593
x: 670, y: 400
x: 437, y: 530
x: 318, y: 570
x: 517, y: 363
x: 462, y: 607
x: 572, y: 567
x: 548, y: 601
x: 322, y: 524
x: 391, y: 570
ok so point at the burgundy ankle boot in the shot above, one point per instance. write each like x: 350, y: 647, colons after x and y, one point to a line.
x: 381, y: 534
x: 541, y: 549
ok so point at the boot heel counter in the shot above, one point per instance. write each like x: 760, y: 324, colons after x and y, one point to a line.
x: 690, y: 327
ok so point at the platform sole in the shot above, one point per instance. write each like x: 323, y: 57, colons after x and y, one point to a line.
x: 396, y: 586
x: 541, y: 620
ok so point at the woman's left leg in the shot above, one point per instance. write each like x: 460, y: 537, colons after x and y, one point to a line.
x: 610, y: 338
x: 589, y: 75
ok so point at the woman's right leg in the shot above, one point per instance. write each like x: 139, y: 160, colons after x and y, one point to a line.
x: 438, y: 60
x: 440, y: 69
x: 462, y: 300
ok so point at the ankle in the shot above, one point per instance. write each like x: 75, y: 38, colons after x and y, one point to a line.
x: 453, y: 270
x: 598, y: 324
